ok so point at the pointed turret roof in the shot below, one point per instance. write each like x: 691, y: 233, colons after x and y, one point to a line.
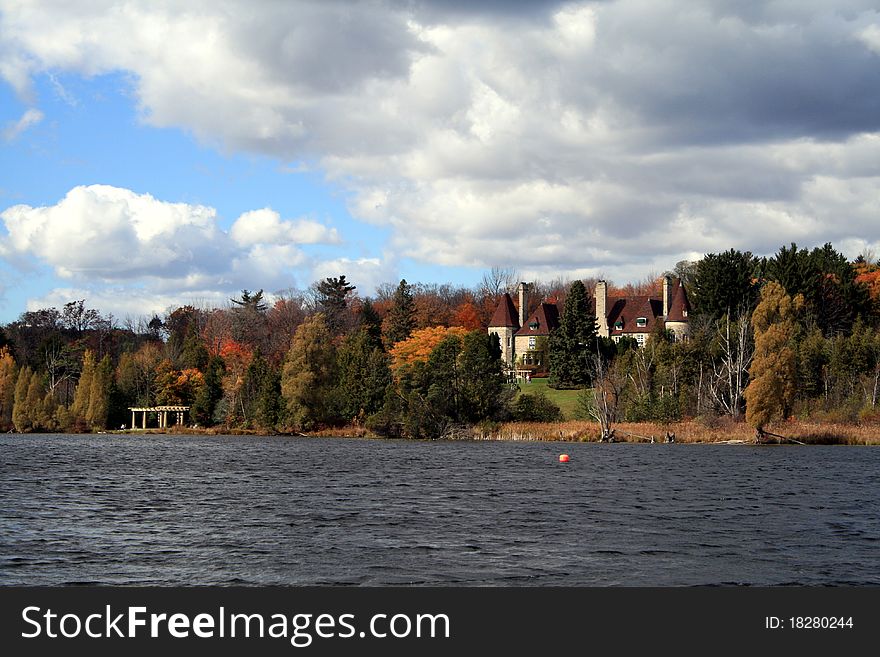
x: 505, y: 314
x: 678, y: 306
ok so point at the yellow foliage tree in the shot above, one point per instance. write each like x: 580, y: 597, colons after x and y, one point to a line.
x: 771, y: 388
x: 7, y: 388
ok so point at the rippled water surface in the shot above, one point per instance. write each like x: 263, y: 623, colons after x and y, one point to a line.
x: 184, y: 510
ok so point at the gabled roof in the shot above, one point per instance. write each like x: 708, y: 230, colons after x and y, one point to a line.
x: 505, y: 314
x: 546, y: 317
x: 678, y: 303
x: 629, y: 309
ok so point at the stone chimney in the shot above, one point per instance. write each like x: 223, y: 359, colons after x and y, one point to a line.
x: 523, y: 289
x: 667, y: 290
x: 601, y: 308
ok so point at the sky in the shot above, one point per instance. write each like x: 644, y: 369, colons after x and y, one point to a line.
x: 154, y: 154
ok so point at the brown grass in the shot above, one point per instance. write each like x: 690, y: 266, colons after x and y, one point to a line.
x: 718, y: 430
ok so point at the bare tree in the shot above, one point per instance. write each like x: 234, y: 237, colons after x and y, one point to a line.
x: 499, y: 280
x: 601, y: 402
x: 730, y: 370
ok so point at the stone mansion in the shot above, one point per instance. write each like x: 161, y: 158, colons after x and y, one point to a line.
x: 524, y: 339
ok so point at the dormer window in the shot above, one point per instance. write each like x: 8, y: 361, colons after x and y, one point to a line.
x: 618, y: 325
x: 641, y: 322
x: 533, y: 325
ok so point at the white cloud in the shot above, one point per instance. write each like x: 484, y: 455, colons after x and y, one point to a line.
x: 365, y: 273
x: 870, y: 36
x: 13, y: 129
x: 108, y: 233
x: 104, y: 238
x: 573, y: 136
x: 265, y: 226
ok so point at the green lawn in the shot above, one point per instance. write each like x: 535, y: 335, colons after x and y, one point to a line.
x: 565, y: 399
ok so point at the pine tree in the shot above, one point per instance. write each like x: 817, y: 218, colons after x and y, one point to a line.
x: 482, y: 376
x: 401, y: 319
x: 571, y: 343
x: 773, y: 373
x: 371, y: 323
x: 724, y: 284
x: 363, y: 376
x: 333, y: 294
x: 210, y: 393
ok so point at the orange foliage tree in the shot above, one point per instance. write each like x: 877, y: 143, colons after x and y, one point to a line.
x: 467, y: 315
x: 418, y: 346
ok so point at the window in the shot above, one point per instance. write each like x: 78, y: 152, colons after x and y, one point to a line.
x: 508, y: 341
x: 640, y: 338
x: 532, y: 341
x: 533, y: 325
x: 641, y: 321
x: 618, y: 325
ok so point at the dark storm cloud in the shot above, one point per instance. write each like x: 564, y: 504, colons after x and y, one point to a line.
x: 697, y: 77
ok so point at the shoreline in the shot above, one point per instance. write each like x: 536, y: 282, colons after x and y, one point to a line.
x: 721, y: 431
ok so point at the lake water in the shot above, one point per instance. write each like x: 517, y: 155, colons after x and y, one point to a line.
x: 226, y: 510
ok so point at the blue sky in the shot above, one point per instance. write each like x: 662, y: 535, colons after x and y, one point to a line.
x: 151, y: 157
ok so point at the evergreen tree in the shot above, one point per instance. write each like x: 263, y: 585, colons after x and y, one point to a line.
x: 401, y: 319
x: 827, y: 282
x: 573, y: 341
x: 371, y: 323
x: 195, y: 353
x: 483, y: 383
x: 260, y: 392
x: 308, y: 377
x: 725, y: 284
x: 363, y: 375
x: 773, y: 374
x: 333, y: 294
x: 210, y: 393
x: 249, y: 322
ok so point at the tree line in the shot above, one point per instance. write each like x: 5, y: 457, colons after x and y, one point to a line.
x: 792, y: 334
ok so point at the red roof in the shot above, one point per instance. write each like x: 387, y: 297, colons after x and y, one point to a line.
x: 505, y: 313
x: 678, y: 303
x: 544, y: 320
x: 629, y: 309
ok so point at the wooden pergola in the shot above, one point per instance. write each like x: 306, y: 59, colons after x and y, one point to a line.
x: 161, y: 412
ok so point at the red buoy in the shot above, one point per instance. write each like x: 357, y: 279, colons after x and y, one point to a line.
x: 563, y: 458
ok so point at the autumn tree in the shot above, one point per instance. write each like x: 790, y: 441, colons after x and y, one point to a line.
x: 80, y: 406
x: 136, y: 372
x: 7, y: 388
x: 467, y: 315
x: 308, y: 377
x: 570, y: 342
x: 22, y: 412
x: 773, y: 374
x: 100, y: 391
x: 419, y: 346
x: 401, y: 319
